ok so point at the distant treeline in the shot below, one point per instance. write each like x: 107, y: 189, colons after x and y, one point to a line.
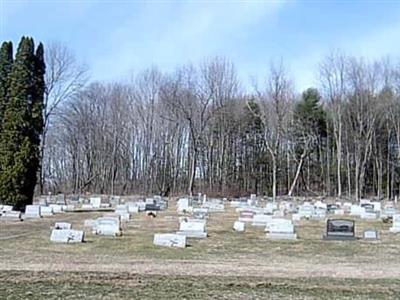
x: 195, y: 129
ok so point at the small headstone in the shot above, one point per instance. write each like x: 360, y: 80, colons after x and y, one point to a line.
x: 87, y: 207
x: 32, y: 211
x: 46, y: 211
x: 62, y: 225
x: 108, y: 226
x: 192, y: 229
x: 396, y: 224
x: 239, y: 226
x: 95, y: 202
x: 57, y: 208
x: 11, y: 214
x: 66, y: 236
x: 261, y: 220
x: 246, y: 216
x: 169, y: 240
x: 371, y: 234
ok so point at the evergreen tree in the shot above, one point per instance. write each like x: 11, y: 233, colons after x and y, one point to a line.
x: 6, y: 61
x: 22, y: 126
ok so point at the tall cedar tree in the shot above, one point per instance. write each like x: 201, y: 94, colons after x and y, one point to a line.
x: 22, y: 126
x: 6, y: 61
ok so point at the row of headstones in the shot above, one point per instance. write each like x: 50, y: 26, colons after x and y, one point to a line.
x: 187, y: 205
x: 275, y: 228
x: 33, y: 211
x: 63, y: 232
x: 109, y: 224
x: 194, y: 227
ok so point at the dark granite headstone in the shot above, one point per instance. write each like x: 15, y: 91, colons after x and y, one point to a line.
x: 153, y: 207
x: 340, y: 229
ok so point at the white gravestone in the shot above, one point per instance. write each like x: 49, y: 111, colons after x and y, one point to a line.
x: 87, y: 206
x: 122, y: 211
x: 281, y: 231
x: 5, y: 208
x: 261, y: 220
x: 46, y: 211
x: 32, y: 211
x: 370, y: 234
x: 183, y: 205
x: 192, y: 229
x: 66, y: 236
x: 246, y: 216
x: 169, y: 240
x: 239, y: 226
x: 95, y: 201
x: 57, y: 208
x: 108, y: 226
x: 396, y: 224
x: 12, y: 214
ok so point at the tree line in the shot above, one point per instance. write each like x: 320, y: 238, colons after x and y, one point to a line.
x: 196, y: 129
x: 22, y: 88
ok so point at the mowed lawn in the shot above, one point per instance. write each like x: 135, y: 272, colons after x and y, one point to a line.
x: 226, y: 265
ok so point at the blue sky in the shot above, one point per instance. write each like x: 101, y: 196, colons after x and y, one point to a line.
x: 116, y: 38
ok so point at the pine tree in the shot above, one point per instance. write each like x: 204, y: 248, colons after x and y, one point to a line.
x: 22, y: 126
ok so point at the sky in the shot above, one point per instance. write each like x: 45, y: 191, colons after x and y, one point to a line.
x: 120, y: 37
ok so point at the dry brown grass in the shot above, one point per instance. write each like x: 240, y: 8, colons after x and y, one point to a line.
x: 25, y: 246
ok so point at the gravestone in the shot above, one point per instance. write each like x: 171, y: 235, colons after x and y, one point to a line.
x: 371, y: 234
x: 11, y: 215
x: 108, y: 226
x: 184, y: 205
x: 57, y: 208
x: 239, y: 226
x: 62, y: 225
x: 69, y: 207
x: 87, y: 207
x: 356, y: 210
x: 152, y: 207
x: 246, y: 216
x: 306, y: 211
x: 340, y: 229
x: 200, y: 213
x: 280, y: 229
x: 169, y: 240
x: 32, y: 212
x: 95, y: 202
x: 261, y: 220
x: 5, y: 208
x: 46, y: 211
x: 192, y: 229
x: 60, y: 199
x: 122, y: 211
x: 396, y: 224
x: 66, y: 236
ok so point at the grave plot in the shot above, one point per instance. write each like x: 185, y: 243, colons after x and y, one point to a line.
x: 32, y: 211
x: 67, y: 236
x: 395, y: 224
x: 170, y: 240
x: 280, y: 229
x: 340, y: 229
x: 192, y: 229
x: 108, y: 226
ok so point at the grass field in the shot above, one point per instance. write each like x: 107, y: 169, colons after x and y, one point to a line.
x: 226, y: 265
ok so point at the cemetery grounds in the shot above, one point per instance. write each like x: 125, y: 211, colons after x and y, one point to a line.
x: 226, y: 265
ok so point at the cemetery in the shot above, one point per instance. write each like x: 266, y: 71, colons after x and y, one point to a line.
x: 221, y: 241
